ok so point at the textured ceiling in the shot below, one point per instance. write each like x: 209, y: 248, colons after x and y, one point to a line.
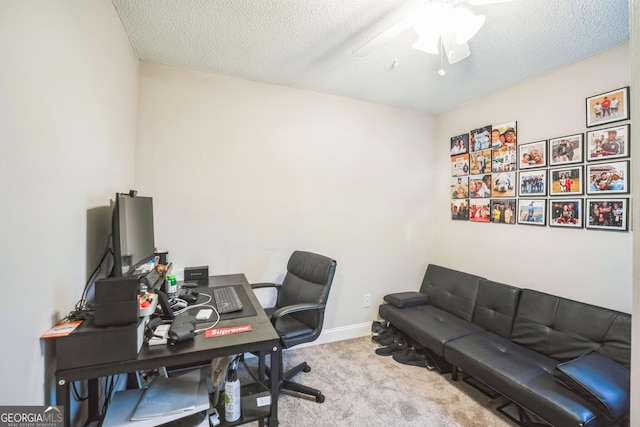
x: 308, y: 44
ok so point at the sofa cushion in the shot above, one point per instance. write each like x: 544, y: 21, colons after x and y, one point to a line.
x: 406, y: 299
x: 564, y: 329
x: 430, y: 326
x: 598, y: 379
x: 496, y: 306
x: 451, y: 290
x: 523, y: 376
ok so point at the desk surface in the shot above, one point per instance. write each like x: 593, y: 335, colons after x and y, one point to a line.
x: 201, y: 348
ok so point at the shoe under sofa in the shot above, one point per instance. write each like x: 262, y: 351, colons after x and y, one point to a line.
x: 563, y: 361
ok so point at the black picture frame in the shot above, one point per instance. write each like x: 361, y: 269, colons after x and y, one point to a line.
x: 566, y: 181
x: 532, y: 183
x: 532, y: 211
x: 566, y: 150
x: 600, y: 146
x: 601, y: 178
x: 612, y: 220
x: 607, y: 115
x: 567, y: 213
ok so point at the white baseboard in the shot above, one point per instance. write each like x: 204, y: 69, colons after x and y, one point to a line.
x: 340, y: 333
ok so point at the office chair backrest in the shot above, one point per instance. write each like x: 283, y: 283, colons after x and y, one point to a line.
x: 308, y: 280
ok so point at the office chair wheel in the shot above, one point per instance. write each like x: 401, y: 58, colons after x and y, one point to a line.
x: 320, y: 398
x: 307, y: 369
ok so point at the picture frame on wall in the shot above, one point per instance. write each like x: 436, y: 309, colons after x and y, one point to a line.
x: 480, y: 139
x: 460, y: 209
x: 566, y: 150
x: 607, y: 214
x: 504, y: 141
x: 480, y: 162
x: 480, y: 186
x: 608, y: 177
x: 460, y: 165
x: 566, y: 181
x: 565, y: 213
x: 608, y: 107
x: 460, y: 187
x: 503, y: 184
x: 503, y: 211
x: 608, y: 143
x: 479, y: 210
x: 460, y: 144
x: 532, y: 183
x: 532, y: 211
x: 532, y: 155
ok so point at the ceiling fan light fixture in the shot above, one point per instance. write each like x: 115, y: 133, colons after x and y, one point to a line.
x: 427, y: 44
x: 465, y: 24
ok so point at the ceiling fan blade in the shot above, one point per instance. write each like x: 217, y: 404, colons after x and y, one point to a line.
x: 455, y: 52
x: 383, y: 37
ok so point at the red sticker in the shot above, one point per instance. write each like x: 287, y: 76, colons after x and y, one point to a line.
x: 220, y: 332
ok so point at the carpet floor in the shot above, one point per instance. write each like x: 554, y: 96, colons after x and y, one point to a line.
x: 363, y: 388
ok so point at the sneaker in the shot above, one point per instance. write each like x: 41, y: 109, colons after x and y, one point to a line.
x: 389, y: 338
x: 410, y: 356
x: 378, y: 327
x: 391, y: 348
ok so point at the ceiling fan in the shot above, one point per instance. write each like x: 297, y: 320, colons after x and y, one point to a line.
x: 441, y: 25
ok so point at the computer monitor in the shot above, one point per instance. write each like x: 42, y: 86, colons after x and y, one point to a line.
x: 132, y: 233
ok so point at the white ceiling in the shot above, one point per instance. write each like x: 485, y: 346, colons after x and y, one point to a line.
x: 307, y: 44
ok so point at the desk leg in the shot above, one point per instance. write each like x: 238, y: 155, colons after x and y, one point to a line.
x: 64, y: 399
x: 276, y: 355
x: 94, y: 397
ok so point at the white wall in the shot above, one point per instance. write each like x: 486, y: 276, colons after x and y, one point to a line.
x: 592, y: 266
x: 68, y: 85
x: 243, y: 173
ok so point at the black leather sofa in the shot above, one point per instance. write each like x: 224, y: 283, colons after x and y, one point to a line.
x: 560, y: 362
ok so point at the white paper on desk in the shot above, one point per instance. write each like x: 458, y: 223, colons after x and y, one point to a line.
x: 166, y: 396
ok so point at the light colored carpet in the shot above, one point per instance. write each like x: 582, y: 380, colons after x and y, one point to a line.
x: 362, y: 388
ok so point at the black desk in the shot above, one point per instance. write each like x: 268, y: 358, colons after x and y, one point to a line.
x: 263, y: 340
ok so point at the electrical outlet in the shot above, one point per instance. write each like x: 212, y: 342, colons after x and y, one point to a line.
x: 367, y: 300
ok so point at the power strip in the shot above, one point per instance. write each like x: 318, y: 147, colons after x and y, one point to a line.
x: 162, y: 330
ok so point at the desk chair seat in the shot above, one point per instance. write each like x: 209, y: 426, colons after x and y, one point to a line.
x: 298, y: 314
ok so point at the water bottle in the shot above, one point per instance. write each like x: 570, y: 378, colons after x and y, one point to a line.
x: 232, y: 393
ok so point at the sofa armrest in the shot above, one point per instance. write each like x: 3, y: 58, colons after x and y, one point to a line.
x: 599, y: 380
x: 406, y: 299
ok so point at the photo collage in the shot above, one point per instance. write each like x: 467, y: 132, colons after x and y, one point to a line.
x: 497, y: 178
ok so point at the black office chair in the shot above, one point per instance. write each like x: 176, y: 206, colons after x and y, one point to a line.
x: 299, y: 310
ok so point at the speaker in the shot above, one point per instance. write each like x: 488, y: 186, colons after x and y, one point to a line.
x: 116, y: 301
x: 195, y: 274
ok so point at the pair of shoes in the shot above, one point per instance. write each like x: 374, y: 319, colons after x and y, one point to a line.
x: 386, y: 337
x: 392, y: 348
x: 378, y: 327
x: 410, y: 356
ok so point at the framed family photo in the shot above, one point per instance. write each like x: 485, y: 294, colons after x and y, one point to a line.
x: 460, y: 209
x: 608, y: 177
x: 460, y: 165
x: 503, y: 184
x: 565, y: 213
x: 460, y: 187
x: 460, y: 144
x: 565, y: 150
x: 532, y: 154
x: 608, y: 214
x: 608, y: 107
x: 503, y: 211
x: 480, y: 139
x: 532, y: 183
x: 566, y: 181
x: 608, y: 143
x: 532, y: 211
x: 479, y: 210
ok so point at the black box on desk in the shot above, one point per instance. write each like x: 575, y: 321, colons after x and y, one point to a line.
x: 88, y: 345
x: 195, y: 274
x: 116, y: 301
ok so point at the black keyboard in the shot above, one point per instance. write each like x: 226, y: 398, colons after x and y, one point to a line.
x: 226, y: 300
